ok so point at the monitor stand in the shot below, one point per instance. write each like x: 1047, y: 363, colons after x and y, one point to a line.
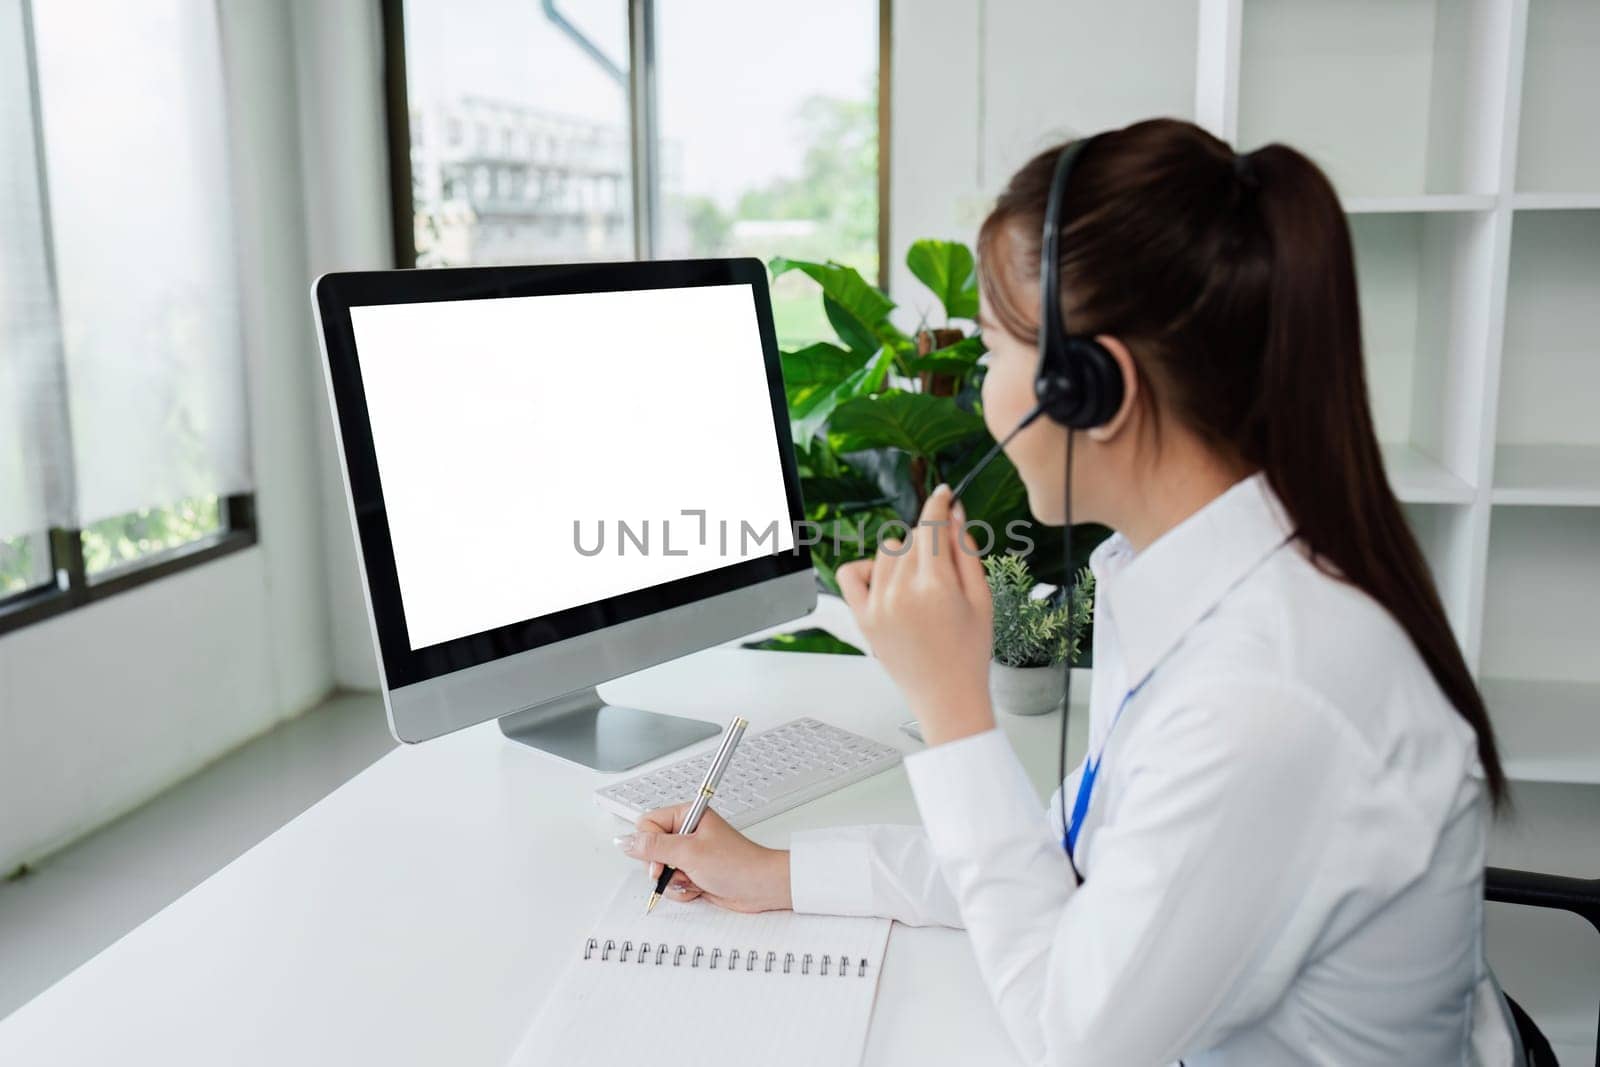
x: 585, y: 729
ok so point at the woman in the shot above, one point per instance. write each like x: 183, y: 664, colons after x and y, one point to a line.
x: 1282, y: 848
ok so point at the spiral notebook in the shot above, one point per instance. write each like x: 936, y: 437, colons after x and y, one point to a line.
x: 694, y: 984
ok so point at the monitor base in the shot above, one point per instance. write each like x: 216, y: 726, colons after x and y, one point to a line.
x: 582, y: 728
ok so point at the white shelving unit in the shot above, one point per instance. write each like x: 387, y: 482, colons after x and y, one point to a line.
x: 1461, y: 135
x: 1547, y: 433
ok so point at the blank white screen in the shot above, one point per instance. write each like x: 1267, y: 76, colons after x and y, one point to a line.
x: 498, y: 423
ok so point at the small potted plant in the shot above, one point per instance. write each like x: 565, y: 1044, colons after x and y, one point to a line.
x: 1035, y: 637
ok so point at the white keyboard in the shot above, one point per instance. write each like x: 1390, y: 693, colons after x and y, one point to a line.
x: 771, y: 772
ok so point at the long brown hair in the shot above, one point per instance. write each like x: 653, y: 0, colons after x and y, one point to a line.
x: 1231, y: 280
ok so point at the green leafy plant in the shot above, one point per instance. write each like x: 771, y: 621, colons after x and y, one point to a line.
x: 814, y: 639
x: 880, y: 417
x: 1032, y: 631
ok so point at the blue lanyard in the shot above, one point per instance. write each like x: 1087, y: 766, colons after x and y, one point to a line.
x: 1091, y: 768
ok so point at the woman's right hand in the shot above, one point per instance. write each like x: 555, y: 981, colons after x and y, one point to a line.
x: 716, y: 861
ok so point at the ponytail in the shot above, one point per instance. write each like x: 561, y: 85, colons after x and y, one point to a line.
x: 1320, y: 450
x: 1232, y: 280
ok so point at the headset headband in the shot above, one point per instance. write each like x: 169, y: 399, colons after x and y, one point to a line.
x: 1052, y: 334
x: 1077, y: 382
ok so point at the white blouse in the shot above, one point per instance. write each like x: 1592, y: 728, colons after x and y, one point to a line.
x: 1283, y: 852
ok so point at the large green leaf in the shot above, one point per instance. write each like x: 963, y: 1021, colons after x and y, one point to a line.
x: 847, y: 489
x: 956, y: 359
x: 890, y: 469
x: 858, y: 336
x: 913, y: 422
x: 817, y: 366
x: 946, y: 267
x: 843, y: 284
x: 812, y: 639
x: 809, y: 415
x: 857, y: 310
x: 995, y: 496
x: 827, y: 577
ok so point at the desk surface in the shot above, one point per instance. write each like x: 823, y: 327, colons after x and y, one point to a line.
x: 420, y: 913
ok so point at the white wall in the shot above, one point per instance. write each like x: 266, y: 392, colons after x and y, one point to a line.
x: 979, y: 87
x: 103, y: 707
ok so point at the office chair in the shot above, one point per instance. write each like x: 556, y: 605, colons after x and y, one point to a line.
x: 1581, y: 896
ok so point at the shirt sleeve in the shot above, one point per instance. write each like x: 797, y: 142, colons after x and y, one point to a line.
x: 1179, y: 935
x: 885, y: 871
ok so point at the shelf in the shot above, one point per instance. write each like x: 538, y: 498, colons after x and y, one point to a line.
x: 1420, y: 276
x: 1443, y: 531
x: 1560, y: 83
x: 1540, y: 622
x: 1556, y: 201
x: 1550, y: 367
x: 1418, y: 478
x: 1386, y: 97
x: 1553, y: 475
x: 1391, y: 205
x: 1547, y: 731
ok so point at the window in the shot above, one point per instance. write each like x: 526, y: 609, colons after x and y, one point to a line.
x: 24, y: 564
x: 123, y: 450
x: 115, y: 545
x: 786, y: 165
x: 467, y: 62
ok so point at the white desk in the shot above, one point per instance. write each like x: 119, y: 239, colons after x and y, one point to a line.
x: 420, y: 913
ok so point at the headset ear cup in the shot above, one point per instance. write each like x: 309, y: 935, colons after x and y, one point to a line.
x: 1053, y: 391
x: 1100, y: 386
x: 1081, y: 387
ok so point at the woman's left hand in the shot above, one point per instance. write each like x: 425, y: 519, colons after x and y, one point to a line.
x: 925, y: 610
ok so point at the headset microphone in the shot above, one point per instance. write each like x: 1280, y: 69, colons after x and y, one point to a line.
x: 988, y: 457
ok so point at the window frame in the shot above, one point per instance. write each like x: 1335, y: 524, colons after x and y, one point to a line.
x: 642, y: 132
x: 71, y: 587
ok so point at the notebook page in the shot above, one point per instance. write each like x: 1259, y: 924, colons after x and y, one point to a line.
x: 605, y: 1011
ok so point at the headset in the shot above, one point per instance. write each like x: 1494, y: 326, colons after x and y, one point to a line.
x: 1079, y: 385
x: 1077, y: 382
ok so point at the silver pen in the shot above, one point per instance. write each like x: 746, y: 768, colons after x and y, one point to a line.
x: 708, y: 789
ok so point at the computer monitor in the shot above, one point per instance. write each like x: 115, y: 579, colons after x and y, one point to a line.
x: 558, y: 475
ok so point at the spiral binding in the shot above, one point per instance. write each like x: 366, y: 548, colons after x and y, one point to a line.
x: 659, y: 952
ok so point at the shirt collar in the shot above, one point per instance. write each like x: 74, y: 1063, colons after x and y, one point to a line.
x: 1154, y: 597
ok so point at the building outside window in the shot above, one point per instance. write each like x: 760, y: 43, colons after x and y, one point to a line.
x: 768, y: 149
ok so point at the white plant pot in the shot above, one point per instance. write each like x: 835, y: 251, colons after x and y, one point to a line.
x: 1026, y: 690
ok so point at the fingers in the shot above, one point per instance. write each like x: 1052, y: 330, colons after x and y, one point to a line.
x: 932, y: 546
x: 656, y: 847
x: 969, y: 566
x: 682, y: 887
x: 853, y: 583
x: 927, y: 550
x: 657, y: 841
x: 891, y: 551
x: 668, y: 820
